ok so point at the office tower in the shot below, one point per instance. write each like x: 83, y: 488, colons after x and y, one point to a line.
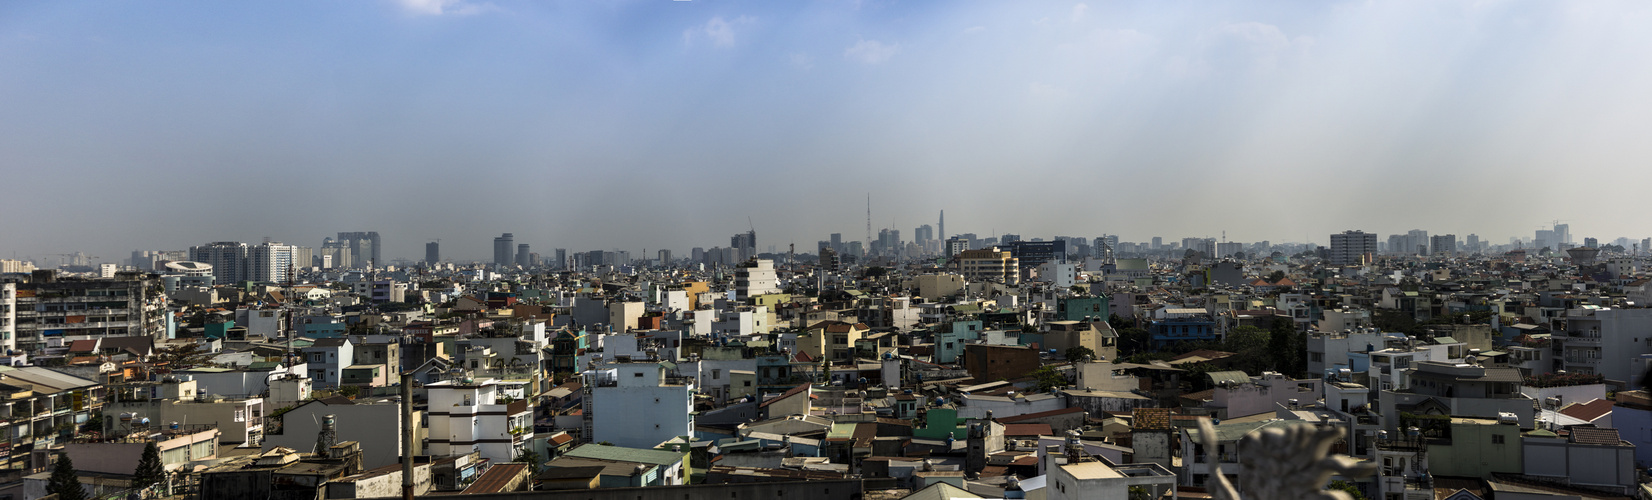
x: 1229, y: 248
x: 1591, y: 243
x: 562, y: 258
x: 941, y: 225
x: 271, y: 262
x: 335, y: 254
x: 228, y: 260
x: 364, y: 248
x: 1471, y: 244
x: 1545, y: 239
x: 1158, y: 243
x: 1563, y: 235
x: 665, y: 258
x: 956, y: 245
x: 923, y: 234
x: 837, y: 242
x: 502, y: 250
x: 1417, y: 241
x: 744, y: 245
x: 1443, y: 244
x: 522, y: 255
x: 432, y: 252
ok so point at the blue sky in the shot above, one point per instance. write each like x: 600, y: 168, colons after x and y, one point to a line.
x: 649, y: 124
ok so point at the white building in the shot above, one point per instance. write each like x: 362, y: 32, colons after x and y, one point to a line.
x: 468, y: 416
x: 754, y: 278
x: 8, y: 316
x: 1606, y: 341
x: 1353, y: 247
x: 637, y: 405
x: 376, y: 424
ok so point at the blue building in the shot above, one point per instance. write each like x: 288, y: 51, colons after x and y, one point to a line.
x: 1181, y: 325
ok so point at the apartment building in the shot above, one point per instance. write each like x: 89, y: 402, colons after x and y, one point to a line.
x: 638, y: 405
x: 988, y: 265
x: 470, y: 415
x: 76, y: 309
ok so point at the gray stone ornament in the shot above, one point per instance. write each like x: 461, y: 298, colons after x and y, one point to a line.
x: 1284, y: 463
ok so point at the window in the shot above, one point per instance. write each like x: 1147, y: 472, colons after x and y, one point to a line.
x: 241, y: 415
x: 716, y: 373
x: 1496, y: 439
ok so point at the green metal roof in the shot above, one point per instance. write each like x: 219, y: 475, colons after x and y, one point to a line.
x: 1229, y: 377
x: 623, y: 454
x: 1445, y: 340
x: 1230, y: 432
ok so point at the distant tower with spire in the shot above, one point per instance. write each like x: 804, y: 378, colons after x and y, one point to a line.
x: 942, y: 226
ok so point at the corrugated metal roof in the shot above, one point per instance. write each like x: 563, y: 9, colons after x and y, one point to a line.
x: 623, y: 454
x: 45, y: 380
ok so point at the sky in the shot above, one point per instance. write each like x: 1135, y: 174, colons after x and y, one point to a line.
x: 641, y: 125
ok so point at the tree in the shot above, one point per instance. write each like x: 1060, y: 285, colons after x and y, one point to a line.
x: 181, y: 355
x: 1252, y: 348
x: 1246, y: 338
x: 1048, y: 378
x: 1135, y: 340
x: 531, y: 458
x: 1079, y: 352
x: 63, y: 481
x: 1353, y: 492
x: 149, y: 470
x: 1288, y: 347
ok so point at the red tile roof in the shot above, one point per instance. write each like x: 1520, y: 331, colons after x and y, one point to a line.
x: 83, y: 346
x: 793, y: 392
x: 1042, y: 414
x: 1588, y: 412
x: 1028, y: 430
x: 1592, y: 435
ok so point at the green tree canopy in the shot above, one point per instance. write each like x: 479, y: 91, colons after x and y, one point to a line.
x: 150, y: 469
x: 63, y: 481
x: 1079, y: 352
x: 1048, y: 378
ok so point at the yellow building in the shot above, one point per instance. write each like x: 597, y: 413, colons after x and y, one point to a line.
x: 989, y: 265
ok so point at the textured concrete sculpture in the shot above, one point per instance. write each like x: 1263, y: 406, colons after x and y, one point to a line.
x: 1284, y: 463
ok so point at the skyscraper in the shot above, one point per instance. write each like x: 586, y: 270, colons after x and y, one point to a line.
x: 432, y: 252
x: 561, y: 258
x: 523, y: 255
x: 271, y: 262
x: 744, y: 245
x: 503, y: 251
x: 1442, y: 244
x: 228, y: 259
x: 364, y: 248
x: 941, y: 225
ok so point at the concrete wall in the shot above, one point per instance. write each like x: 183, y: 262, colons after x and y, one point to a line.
x: 376, y: 426
x: 1590, y: 465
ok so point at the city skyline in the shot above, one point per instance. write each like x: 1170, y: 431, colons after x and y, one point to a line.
x: 645, y: 126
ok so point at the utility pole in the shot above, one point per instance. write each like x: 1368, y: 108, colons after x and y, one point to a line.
x: 407, y: 435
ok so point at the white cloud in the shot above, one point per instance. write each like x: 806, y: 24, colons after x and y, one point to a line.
x: 871, y: 51
x: 1078, y: 12
x: 718, y: 30
x: 441, y: 7
x: 973, y: 30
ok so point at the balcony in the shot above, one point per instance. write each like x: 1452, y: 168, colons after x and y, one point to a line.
x: 1570, y: 360
x: 1584, y: 339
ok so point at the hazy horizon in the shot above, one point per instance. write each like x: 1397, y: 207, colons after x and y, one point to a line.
x: 645, y: 125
